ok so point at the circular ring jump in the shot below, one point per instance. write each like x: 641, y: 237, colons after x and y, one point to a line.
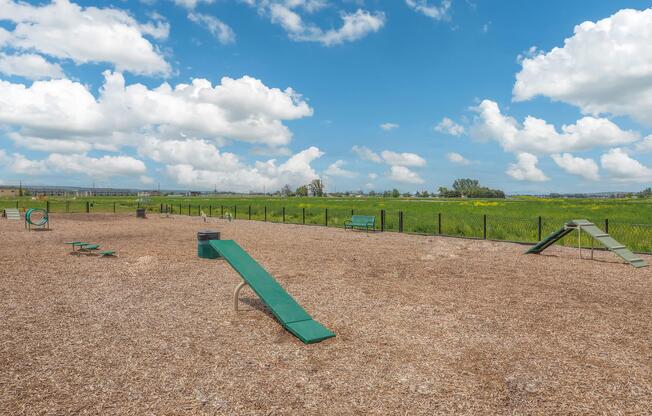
x: 37, y: 221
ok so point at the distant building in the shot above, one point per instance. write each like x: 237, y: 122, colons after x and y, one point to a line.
x: 9, y: 192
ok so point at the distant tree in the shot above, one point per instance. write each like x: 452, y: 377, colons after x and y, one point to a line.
x: 448, y: 193
x: 470, y: 188
x: 301, y: 191
x: 387, y: 193
x: 372, y: 193
x: 395, y: 193
x: 465, y: 186
x: 645, y: 193
x: 316, y: 187
x: 418, y: 194
x: 425, y: 194
x: 287, y: 191
x: 406, y: 194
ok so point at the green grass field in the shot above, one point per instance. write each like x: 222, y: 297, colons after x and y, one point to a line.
x: 630, y: 220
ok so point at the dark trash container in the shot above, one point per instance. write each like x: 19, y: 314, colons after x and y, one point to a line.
x: 140, y: 213
x: 204, y: 250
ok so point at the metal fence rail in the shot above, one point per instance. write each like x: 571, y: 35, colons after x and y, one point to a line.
x: 529, y: 229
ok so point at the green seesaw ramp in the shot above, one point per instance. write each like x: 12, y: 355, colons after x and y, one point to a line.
x: 599, y: 235
x: 288, y: 312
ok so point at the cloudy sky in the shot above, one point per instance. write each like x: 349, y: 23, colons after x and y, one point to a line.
x: 527, y: 96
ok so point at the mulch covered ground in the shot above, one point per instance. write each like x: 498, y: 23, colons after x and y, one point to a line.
x: 425, y: 325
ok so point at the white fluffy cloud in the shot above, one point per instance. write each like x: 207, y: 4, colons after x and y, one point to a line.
x: 285, y: 13
x: 586, y: 168
x: 263, y: 175
x: 424, y: 7
x: 102, y: 167
x: 402, y: 159
x: 239, y: 109
x: 525, y: 169
x: 457, y: 159
x: 64, y: 30
x: 404, y: 174
x: 389, y: 126
x: 190, y: 4
x: 448, y: 126
x: 29, y: 65
x: 536, y: 136
x: 336, y: 169
x: 603, y: 68
x: 622, y: 167
x: 365, y: 153
x: 198, y: 153
x: 220, y: 30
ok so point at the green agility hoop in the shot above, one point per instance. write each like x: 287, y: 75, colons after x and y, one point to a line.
x: 36, y: 222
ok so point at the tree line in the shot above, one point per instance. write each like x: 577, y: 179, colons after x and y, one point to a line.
x: 461, y: 188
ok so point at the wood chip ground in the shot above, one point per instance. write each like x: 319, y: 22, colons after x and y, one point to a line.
x: 425, y: 325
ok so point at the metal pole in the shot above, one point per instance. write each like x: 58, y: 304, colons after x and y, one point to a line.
x: 382, y: 220
x: 249, y: 212
x: 235, y: 211
x: 283, y: 214
x: 303, y: 215
x: 222, y: 211
x: 400, y: 221
x: 326, y: 217
x: 606, y: 225
x: 439, y: 223
x: 88, y: 207
x: 210, y: 210
x: 539, y: 229
x: 484, y: 226
x: 265, y: 213
x: 114, y: 207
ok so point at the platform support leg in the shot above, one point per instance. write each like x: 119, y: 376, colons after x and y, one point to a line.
x: 236, y: 294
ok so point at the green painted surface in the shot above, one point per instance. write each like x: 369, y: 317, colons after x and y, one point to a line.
x: 41, y: 221
x: 361, y: 221
x: 548, y: 241
x: 599, y: 235
x: 289, y: 313
x: 205, y: 251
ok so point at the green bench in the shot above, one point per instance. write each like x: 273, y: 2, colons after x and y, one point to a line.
x: 366, y: 222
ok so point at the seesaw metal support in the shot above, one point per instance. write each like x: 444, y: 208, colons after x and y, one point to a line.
x: 236, y: 294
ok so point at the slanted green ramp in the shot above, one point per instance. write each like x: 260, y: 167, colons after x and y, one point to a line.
x: 548, y: 241
x: 288, y: 312
x: 591, y: 229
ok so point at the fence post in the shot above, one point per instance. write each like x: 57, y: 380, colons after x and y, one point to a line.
x: 539, y: 228
x: 265, y: 213
x: 439, y: 223
x: 189, y: 210
x: 303, y: 215
x: 382, y: 220
x: 249, y: 212
x: 199, y: 210
x: 283, y: 214
x: 484, y: 226
x: 351, y: 212
x: 47, y: 206
x: 235, y: 212
x: 400, y: 221
x: 179, y: 209
x: 326, y: 217
x: 161, y: 210
x: 210, y: 210
x: 68, y: 206
x: 222, y: 211
x: 606, y: 225
x: 88, y: 207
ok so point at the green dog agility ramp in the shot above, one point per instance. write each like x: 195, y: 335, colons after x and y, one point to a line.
x: 288, y: 312
x: 597, y: 234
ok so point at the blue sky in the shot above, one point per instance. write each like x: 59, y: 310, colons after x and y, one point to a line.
x: 252, y: 94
